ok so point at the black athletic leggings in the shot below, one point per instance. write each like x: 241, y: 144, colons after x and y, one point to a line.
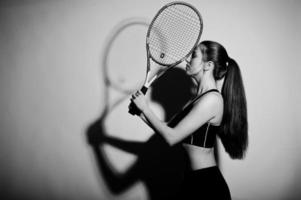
x: 203, y: 184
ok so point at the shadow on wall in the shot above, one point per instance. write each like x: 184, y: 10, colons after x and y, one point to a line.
x: 159, y: 166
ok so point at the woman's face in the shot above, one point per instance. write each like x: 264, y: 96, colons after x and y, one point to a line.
x: 196, y: 63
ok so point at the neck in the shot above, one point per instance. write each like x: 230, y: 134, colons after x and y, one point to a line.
x: 204, y: 84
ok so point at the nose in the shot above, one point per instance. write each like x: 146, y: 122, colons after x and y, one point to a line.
x: 187, y: 64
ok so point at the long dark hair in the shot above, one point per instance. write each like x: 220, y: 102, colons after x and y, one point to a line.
x: 234, y: 127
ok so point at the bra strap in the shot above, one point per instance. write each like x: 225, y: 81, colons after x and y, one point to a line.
x: 212, y: 90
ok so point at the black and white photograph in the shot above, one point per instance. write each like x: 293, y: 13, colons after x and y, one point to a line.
x: 150, y: 100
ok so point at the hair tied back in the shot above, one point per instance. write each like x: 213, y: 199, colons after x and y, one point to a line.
x: 228, y: 61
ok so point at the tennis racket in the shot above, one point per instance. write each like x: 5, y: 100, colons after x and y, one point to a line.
x: 171, y: 37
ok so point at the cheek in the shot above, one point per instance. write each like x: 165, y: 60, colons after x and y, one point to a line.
x: 195, y: 69
x: 198, y: 66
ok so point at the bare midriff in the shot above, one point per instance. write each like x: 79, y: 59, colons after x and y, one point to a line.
x: 200, y: 157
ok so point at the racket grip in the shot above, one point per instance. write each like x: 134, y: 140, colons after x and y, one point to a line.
x: 133, y: 110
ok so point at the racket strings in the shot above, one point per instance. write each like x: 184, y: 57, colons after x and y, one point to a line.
x: 184, y: 16
x: 178, y: 29
x: 174, y: 33
x: 186, y: 31
x: 186, y: 12
x: 181, y: 32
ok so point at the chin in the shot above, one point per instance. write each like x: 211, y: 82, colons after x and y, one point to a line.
x: 190, y: 73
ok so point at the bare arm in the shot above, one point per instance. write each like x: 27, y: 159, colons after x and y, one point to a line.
x: 145, y: 119
x: 204, y: 110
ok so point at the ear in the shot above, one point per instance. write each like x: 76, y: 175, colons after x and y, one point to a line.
x: 209, y: 66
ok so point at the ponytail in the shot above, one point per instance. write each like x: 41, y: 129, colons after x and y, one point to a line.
x: 234, y: 128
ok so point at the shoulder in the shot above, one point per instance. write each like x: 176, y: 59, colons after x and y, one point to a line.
x: 211, y: 101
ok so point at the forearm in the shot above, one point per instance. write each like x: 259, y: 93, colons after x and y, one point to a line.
x: 160, y: 127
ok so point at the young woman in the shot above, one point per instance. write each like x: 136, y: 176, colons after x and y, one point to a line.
x: 219, y: 109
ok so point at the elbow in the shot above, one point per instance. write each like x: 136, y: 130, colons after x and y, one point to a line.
x: 170, y: 143
x: 173, y: 142
x: 170, y: 135
x: 171, y: 139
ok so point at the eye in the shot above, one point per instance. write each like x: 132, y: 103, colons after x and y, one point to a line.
x: 193, y: 54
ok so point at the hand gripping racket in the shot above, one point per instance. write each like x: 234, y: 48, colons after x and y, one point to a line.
x: 171, y: 37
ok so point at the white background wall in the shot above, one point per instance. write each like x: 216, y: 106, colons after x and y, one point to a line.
x: 51, y: 90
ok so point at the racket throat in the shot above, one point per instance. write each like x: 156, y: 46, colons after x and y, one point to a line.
x: 144, y: 89
x: 149, y: 82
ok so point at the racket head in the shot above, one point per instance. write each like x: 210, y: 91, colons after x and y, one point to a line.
x: 173, y: 33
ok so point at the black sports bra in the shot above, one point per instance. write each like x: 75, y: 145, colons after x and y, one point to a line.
x: 204, y: 136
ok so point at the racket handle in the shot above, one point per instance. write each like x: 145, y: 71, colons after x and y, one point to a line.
x: 133, y: 110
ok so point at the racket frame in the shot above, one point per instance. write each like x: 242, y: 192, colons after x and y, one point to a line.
x: 149, y: 55
x: 132, y: 107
